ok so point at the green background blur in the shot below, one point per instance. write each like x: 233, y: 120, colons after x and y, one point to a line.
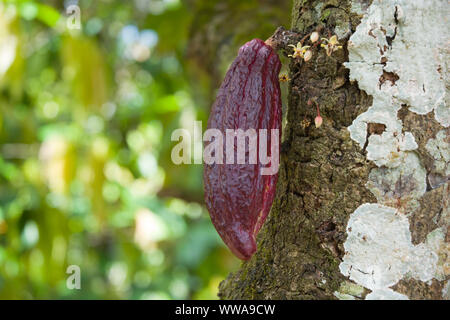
x: 86, y: 118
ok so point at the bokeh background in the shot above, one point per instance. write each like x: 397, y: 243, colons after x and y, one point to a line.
x: 86, y: 118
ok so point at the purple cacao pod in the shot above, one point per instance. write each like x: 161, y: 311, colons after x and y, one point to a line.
x: 238, y: 196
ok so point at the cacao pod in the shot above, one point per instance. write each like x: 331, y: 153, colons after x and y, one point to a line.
x: 238, y: 196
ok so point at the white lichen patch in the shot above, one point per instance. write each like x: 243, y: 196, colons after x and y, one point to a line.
x: 342, y: 29
x: 442, y: 114
x: 379, y: 251
x: 349, y: 291
x: 382, y: 112
x: 359, y: 6
x: 398, y: 55
x: 436, y: 242
x: 406, y: 182
x: 389, y: 150
x: 446, y: 291
x: 439, y: 149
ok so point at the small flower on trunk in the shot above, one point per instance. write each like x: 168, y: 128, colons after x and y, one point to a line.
x: 305, y: 123
x: 284, y: 78
x: 299, y: 51
x: 331, y: 45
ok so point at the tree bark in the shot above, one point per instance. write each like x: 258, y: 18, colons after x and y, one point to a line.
x: 361, y: 210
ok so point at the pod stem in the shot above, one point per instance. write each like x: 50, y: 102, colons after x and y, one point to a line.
x: 281, y: 38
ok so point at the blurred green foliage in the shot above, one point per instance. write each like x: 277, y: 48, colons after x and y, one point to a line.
x: 85, y: 171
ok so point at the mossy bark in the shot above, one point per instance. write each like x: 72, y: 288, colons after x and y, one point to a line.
x: 322, y: 175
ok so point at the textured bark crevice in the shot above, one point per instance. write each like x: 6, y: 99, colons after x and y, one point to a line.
x: 325, y: 176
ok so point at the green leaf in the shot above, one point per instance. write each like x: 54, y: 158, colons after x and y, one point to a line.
x: 48, y: 15
x: 30, y: 10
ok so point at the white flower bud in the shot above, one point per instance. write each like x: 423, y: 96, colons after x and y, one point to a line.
x: 308, y: 55
x: 314, y: 36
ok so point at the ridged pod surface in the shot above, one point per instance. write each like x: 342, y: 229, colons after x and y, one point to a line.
x: 238, y: 196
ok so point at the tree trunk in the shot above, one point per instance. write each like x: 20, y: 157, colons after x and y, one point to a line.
x: 362, y: 205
